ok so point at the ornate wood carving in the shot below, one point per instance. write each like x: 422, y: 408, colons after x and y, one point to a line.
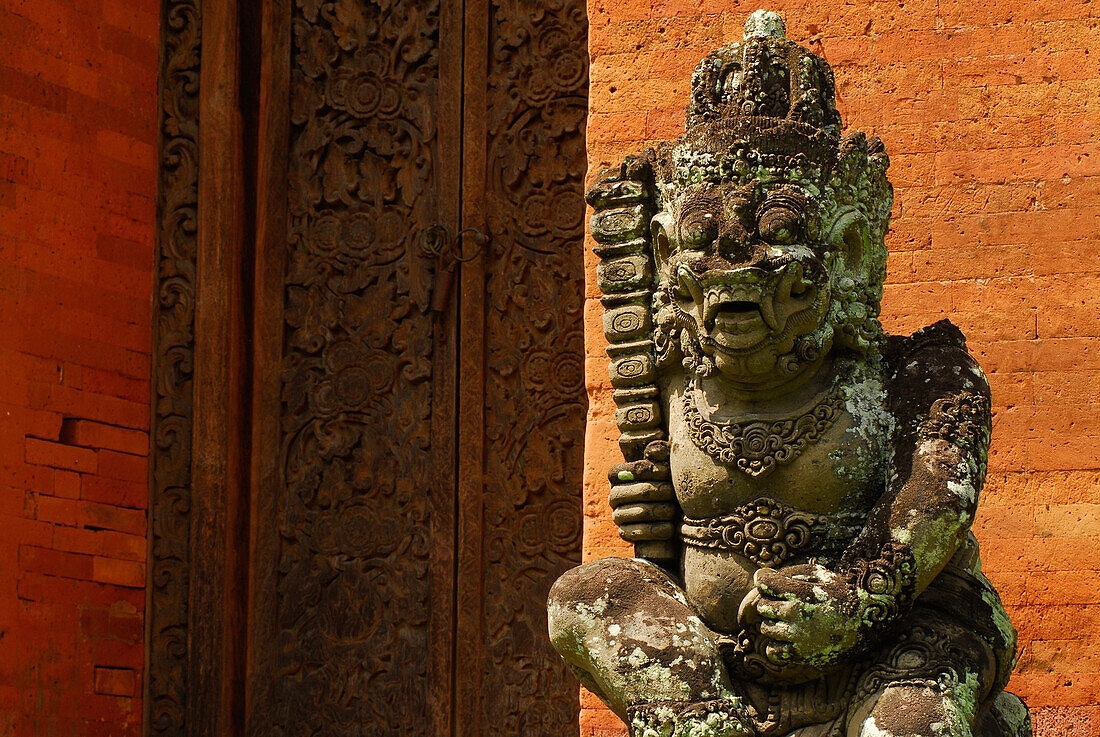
x: 353, y: 469
x: 173, y: 370
x: 535, y: 400
x: 353, y: 588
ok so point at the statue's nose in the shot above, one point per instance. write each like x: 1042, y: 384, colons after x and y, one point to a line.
x: 741, y: 251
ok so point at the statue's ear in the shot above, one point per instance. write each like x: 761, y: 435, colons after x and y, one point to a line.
x: 661, y: 229
x: 850, y: 236
x: 864, y: 197
x: 857, y: 271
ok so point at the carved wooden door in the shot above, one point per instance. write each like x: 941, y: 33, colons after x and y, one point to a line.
x: 365, y: 479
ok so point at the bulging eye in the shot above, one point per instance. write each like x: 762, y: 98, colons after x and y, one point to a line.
x: 780, y: 222
x: 698, y: 228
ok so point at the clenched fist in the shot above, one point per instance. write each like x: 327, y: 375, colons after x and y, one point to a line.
x: 804, y: 614
x: 808, y: 615
x: 643, y: 503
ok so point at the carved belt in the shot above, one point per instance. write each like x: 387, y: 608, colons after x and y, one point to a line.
x: 769, y: 532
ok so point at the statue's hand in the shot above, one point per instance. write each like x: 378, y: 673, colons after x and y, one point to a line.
x: 805, y: 615
x: 642, y: 500
x: 809, y: 615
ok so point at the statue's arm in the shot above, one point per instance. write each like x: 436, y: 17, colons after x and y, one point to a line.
x: 941, y: 401
x: 808, y: 614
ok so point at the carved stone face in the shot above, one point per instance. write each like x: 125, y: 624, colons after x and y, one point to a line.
x: 768, y: 243
x: 743, y: 268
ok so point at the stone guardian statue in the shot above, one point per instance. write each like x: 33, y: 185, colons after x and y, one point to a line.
x: 798, y: 486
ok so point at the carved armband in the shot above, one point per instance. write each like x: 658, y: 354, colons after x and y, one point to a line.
x: 884, y: 586
x: 961, y: 419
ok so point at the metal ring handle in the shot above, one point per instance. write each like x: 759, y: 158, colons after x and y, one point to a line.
x: 480, y: 239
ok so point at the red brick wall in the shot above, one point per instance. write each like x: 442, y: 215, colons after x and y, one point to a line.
x: 77, y: 163
x: 991, y: 117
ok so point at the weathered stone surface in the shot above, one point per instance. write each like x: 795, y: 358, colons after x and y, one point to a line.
x: 799, y: 486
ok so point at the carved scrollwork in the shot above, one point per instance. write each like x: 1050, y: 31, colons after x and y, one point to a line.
x: 770, y: 533
x: 535, y: 398
x: 921, y: 655
x: 888, y: 579
x: 962, y: 419
x: 173, y: 351
x: 757, y: 447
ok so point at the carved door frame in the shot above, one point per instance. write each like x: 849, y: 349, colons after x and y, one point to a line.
x: 219, y: 343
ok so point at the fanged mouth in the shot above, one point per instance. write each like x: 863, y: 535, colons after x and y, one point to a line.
x: 741, y: 308
x: 739, y: 317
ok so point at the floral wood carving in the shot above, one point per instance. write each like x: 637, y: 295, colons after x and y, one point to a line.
x: 535, y: 399
x: 352, y: 601
x: 353, y: 518
x: 173, y: 348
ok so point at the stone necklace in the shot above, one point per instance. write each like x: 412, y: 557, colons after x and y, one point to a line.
x: 758, y: 446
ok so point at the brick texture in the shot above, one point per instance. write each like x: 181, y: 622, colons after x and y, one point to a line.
x: 990, y: 115
x: 77, y: 164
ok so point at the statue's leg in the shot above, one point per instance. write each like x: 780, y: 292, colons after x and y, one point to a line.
x: 911, y: 710
x: 935, y: 679
x: 1007, y: 717
x: 625, y: 627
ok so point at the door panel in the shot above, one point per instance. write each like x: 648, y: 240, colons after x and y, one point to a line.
x: 405, y: 474
x: 366, y: 458
x: 536, y: 86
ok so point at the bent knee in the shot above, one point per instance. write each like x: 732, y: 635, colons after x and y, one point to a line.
x: 602, y: 582
x: 581, y: 593
x: 914, y: 711
x: 593, y: 595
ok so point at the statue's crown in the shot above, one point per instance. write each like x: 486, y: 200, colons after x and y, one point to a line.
x: 765, y: 76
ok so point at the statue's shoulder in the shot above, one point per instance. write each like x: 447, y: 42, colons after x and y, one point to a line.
x: 939, y: 337
x: 931, y: 363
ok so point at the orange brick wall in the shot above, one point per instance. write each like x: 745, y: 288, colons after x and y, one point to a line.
x: 77, y: 163
x: 991, y: 115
